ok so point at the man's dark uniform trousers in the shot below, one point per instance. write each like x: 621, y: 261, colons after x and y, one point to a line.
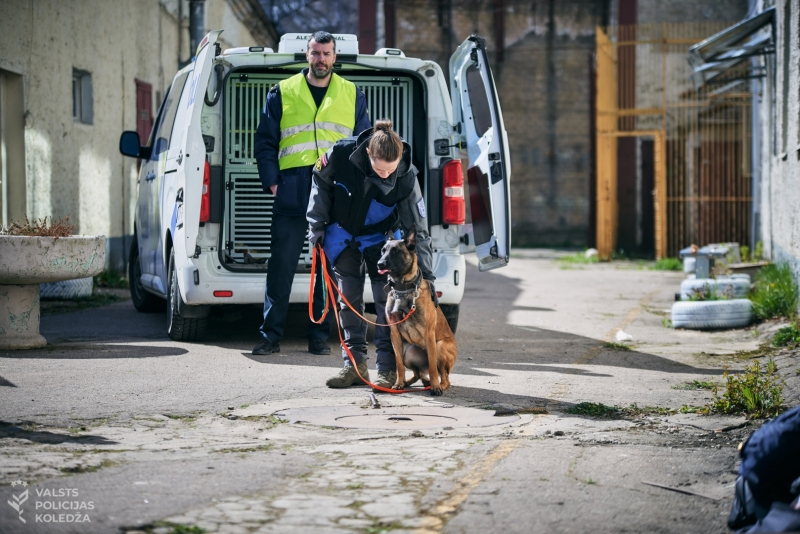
x: 289, y: 224
x: 349, y: 199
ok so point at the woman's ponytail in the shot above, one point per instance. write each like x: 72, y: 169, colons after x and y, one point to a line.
x: 385, y: 144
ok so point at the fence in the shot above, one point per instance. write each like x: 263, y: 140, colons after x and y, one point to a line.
x: 700, y: 139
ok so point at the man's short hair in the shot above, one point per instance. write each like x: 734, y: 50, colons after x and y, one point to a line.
x: 322, y: 38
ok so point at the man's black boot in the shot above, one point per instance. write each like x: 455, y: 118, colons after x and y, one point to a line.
x: 318, y: 346
x: 266, y: 347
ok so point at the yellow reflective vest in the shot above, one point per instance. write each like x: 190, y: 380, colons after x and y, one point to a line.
x: 307, y: 132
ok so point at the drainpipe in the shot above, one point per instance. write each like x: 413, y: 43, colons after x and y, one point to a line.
x: 197, y: 24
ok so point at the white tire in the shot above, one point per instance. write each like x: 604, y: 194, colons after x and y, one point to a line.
x: 740, y: 276
x: 712, y: 314
x: 67, y: 289
x: 735, y: 287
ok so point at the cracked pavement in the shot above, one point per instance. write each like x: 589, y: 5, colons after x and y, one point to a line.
x: 156, y: 434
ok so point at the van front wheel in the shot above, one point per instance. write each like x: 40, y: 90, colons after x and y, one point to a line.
x: 450, y: 312
x: 181, y: 328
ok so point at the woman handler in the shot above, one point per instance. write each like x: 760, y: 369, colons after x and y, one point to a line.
x: 365, y: 189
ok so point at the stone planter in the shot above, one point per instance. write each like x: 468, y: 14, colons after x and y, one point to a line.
x: 26, y: 262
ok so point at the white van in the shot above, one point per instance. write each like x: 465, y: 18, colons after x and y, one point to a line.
x: 202, y: 230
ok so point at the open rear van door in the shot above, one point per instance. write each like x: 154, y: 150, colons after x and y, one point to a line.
x: 192, y: 155
x: 479, y: 122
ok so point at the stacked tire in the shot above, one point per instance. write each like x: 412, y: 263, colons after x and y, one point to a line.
x: 735, y: 286
x: 67, y: 289
x: 712, y: 314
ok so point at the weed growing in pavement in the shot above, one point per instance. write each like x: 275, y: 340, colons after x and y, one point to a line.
x: 616, y: 346
x: 788, y: 336
x: 40, y: 228
x: 187, y: 529
x: 695, y: 384
x: 589, y: 481
x: 53, y: 307
x: 184, y: 418
x: 111, y: 279
x: 668, y: 264
x: 709, y: 292
x: 578, y: 257
x: 259, y: 448
x: 596, y: 409
x: 355, y: 486
x: 774, y: 292
x: 666, y: 322
x: 755, y: 393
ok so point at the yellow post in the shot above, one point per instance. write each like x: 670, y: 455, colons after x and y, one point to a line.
x: 606, y: 122
x: 660, y: 198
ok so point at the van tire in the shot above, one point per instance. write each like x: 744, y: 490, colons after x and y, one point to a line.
x: 450, y: 312
x: 143, y: 301
x: 181, y: 328
x: 712, y: 314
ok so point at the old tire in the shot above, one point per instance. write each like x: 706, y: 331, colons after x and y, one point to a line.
x: 712, y: 314
x: 738, y: 287
x: 79, y: 288
x: 180, y: 328
x: 451, y: 312
x: 142, y: 300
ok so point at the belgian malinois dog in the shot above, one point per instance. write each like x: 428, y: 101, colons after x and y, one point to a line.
x: 430, y: 350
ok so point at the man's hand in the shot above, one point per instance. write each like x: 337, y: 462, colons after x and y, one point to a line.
x: 274, y: 189
x: 434, y: 297
x: 316, y: 237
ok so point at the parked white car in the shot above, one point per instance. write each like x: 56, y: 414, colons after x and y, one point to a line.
x: 202, y: 230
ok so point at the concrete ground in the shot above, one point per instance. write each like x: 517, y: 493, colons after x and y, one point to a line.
x: 114, y: 425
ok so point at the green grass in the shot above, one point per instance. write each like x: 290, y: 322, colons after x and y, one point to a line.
x: 695, y: 384
x: 756, y: 393
x: 668, y: 264
x: 788, y: 336
x: 578, y: 257
x: 187, y: 529
x: 709, y: 292
x: 616, y: 346
x: 597, y: 409
x: 112, y: 279
x: 53, y: 307
x: 774, y: 292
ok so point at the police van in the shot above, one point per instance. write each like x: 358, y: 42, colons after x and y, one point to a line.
x: 202, y: 229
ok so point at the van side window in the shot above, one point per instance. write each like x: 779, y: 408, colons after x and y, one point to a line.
x: 481, y: 111
x: 167, y: 119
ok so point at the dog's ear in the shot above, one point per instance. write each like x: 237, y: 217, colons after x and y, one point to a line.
x: 410, y: 239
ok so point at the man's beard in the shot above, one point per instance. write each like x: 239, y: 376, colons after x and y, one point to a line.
x: 321, y: 72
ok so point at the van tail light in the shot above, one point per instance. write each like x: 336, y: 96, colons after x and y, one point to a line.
x: 453, y: 207
x: 205, y: 199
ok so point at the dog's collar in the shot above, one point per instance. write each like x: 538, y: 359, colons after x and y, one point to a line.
x: 402, y: 288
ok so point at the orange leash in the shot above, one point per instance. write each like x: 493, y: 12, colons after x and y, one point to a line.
x: 330, y: 297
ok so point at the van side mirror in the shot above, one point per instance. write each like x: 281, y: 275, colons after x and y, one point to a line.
x: 129, y: 144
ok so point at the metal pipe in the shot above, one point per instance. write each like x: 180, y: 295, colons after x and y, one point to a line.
x: 197, y: 24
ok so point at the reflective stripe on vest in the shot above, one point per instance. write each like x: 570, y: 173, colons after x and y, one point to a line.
x: 308, y: 132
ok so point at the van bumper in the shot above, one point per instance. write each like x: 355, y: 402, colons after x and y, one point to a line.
x: 248, y: 288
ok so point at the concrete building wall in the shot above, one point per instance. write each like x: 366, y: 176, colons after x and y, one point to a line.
x: 76, y: 169
x: 778, y: 131
x: 544, y: 86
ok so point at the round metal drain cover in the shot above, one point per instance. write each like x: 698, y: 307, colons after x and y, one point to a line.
x: 382, y: 420
x: 405, y: 417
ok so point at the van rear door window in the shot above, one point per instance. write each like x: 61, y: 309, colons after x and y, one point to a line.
x: 477, y: 98
x: 167, y: 119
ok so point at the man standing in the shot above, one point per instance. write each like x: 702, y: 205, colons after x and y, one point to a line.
x: 303, y: 117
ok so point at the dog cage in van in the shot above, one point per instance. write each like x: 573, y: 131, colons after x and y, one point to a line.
x: 248, y: 209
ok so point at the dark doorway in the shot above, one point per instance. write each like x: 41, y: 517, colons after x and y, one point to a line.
x: 647, y: 243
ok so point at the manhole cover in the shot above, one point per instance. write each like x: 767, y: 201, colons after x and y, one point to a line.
x: 407, y: 417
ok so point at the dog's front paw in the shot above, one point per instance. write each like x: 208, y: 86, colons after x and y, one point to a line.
x: 398, y: 385
x: 436, y: 391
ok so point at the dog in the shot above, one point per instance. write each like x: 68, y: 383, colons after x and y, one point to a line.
x: 431, y: 346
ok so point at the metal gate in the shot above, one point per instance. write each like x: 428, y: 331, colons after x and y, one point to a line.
x: 248, y: 209
x: 701, y: 136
